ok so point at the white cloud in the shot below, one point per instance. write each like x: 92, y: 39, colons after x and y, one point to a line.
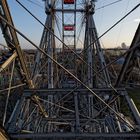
x: 137, y: 20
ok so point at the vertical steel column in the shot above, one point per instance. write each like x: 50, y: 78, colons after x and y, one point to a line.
x: 100, y: 54
x: 63, y: 25
x: 47, y: 44
x: 50, y: 52
x: 90, y: 54
x: 77, y: 122
x: 39, y: 55
x: 75, y: 25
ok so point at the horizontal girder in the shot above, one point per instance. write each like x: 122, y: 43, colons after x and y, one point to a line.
x: 81, y: 136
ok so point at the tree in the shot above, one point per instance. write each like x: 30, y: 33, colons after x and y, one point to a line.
x: 123, y: 45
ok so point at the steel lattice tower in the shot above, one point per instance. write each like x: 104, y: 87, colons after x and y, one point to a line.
x: 66, y: 103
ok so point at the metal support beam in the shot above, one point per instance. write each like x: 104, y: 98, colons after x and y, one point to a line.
x: 12, y: 39
x: 8, y: 61
x: 77, y: 123
x: 129, y: 60
x: 74, y: 135
x: 133, y: 108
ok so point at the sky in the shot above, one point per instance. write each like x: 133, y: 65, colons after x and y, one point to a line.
x: 104, y: 19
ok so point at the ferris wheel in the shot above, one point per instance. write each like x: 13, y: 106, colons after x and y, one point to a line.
x: 68, y: 93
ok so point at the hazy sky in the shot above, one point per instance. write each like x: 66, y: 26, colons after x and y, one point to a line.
x: 104, y: 18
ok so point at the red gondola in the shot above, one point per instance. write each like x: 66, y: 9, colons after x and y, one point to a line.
x: 69, y: 28
x: 68, y: 1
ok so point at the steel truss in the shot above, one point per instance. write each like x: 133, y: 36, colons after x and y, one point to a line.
x: 94, y: 54
x: 131, y: 60
x: 14, y: 51
x: 69, y: 38
x: 69, y: 136
x: 85, y: 109
x: 78, y: 120
x: 46, y: 70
